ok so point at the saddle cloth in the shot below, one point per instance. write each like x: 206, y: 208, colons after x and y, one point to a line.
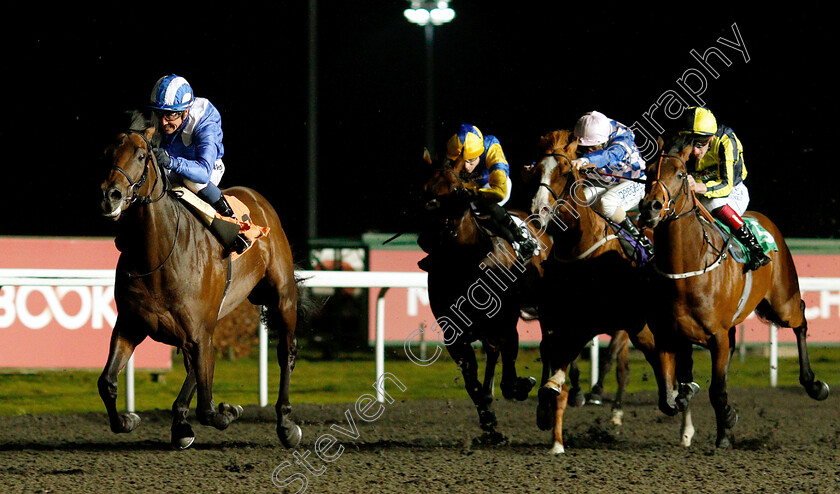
x: 241, y: 212
x: 738, y: 251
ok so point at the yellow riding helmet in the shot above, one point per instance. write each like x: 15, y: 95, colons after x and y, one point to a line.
x: 468, y: 140
x: 698, y: 121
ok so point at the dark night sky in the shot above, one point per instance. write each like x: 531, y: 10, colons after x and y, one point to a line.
x: 515, y: 74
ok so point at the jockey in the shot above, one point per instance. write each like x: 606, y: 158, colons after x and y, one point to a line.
x: 606, y: 146
x: 191, y: 146
x: 717, y: 174
x: 487, y: 175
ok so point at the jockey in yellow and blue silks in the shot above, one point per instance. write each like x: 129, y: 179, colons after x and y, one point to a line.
x: 487, y: 174
x: 191, y: 146
x: 716, y: 174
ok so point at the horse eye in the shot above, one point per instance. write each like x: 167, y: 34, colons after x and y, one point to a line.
x: 142, y: 156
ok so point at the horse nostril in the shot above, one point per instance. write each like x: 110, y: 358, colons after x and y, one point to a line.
x: 656, y: 206
x: 115, y: 195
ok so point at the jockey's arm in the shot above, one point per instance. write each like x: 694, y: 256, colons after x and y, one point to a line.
x: 612, y: 157
x: 721, y: 185
x: 199, y: 169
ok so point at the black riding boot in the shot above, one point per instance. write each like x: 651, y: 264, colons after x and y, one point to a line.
x: 524, y: 245
x: 634, y: 232
x: 757, y: 256
x: 223, y: 208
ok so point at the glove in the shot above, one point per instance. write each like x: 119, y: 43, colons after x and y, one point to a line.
x: 580, y: 163
x: 162, y: 157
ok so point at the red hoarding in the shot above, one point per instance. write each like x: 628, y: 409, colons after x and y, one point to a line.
x: 45, y: 327
x: 408, y: 308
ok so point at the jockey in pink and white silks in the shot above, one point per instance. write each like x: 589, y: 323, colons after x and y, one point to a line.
x: 607, y: 152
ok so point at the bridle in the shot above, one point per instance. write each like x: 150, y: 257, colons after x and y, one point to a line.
x: 548, y: 186
x: 134, y: 186
x: 671, y: 213
x: 697, y: 210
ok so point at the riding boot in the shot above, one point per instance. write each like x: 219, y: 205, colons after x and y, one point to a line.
x: 241, y: 243
x: 757, y: 256
x: 524, y: 245
x: 634, y: 232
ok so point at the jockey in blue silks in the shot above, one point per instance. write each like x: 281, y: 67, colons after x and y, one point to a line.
x: 191, y: 146
x: 607, y: 151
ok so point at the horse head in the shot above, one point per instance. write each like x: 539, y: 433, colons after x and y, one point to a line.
x: 133, y: 173
x: 446, y: 202
x: 668, y: 195
x: 558, y: 148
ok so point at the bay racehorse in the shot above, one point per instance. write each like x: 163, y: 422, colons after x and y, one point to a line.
x: 174, y: 281
x: 700, y: 293
x: 476, y: 289
x: 590, y: 286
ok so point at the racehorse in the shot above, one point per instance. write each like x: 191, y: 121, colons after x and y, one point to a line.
x: 590, y: 286
x: 174, y: 282
x: 701, y: 293
x: 476, y: 289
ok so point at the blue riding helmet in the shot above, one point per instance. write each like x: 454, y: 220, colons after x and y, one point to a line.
x: 171, y: 93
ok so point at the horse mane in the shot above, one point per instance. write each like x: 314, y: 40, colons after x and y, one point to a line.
x: 677, y: 143
x: 563, y: 139
x: 139, y: 122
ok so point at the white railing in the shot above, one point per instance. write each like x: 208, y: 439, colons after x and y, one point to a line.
x: 329, y: 279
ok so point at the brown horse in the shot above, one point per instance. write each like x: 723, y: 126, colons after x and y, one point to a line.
x: 476, y: 289
x: 174, y: 281
x: 591, y: 285
x: 700, y: 294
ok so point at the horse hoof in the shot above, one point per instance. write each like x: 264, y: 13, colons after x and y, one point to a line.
x: 731, y: 418
x: 557, y: 449
x: 290, y: 438
x: 128, y: 422
x: 183, y: 442
x: 819, y: 391
x: 490, y: 438
x: 668, y: 409
x: 594, y: 399
x: 576, y: 398
x: 723, y: 443
x: 232, y: 411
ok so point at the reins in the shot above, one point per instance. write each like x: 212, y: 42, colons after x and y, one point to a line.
x: 147, y: 199
x: 698, y: 211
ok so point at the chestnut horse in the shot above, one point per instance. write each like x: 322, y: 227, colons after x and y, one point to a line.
x: 174, y: 281
x: 476, y: 289
x: 700, y: 294
x: 590, y: 285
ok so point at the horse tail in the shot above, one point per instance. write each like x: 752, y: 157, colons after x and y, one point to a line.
x: 307, y: 307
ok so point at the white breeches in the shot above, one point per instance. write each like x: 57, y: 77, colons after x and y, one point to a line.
x: 738, y: 200
x: 608, y: 200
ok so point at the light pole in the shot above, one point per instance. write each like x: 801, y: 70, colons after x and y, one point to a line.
x: 429, y: 14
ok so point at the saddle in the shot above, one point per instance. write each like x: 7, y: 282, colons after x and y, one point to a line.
x: 225, y: 228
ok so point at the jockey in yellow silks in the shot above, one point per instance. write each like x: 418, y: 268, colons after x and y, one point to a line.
x: 487, y: 174
x: 716, y: 174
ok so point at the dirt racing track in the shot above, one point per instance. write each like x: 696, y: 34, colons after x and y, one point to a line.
x: 784, y: 442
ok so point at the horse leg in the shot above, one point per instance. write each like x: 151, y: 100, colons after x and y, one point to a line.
x: 553, y: 396
x: 464, y: 356
x: 817, y: 390
x: 488, y: 387
x: 203, y: 362
x: 595, y: 394
x: 576, y: 396
x: 284, y: 320
x: 725, y: 416
x: 182, y: 436
x: 665, y: 382
x: 122, y: 346
x: 513, y: 387
x: 621, y: 354
x: 685, y: 375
